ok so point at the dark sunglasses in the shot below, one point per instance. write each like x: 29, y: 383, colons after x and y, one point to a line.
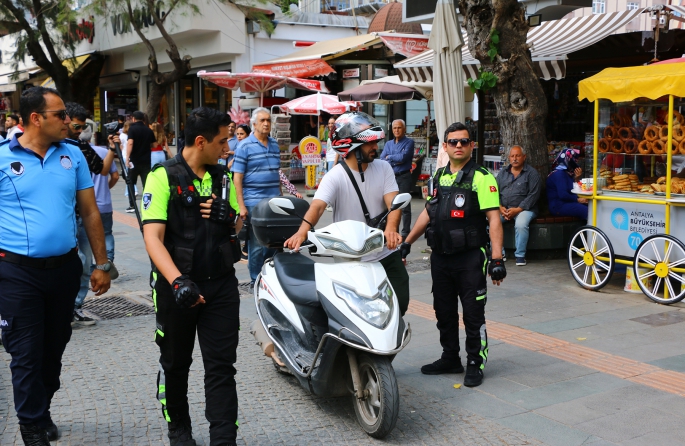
x: 454, y: 142
x: 61, y: 114
x: 77, y: 126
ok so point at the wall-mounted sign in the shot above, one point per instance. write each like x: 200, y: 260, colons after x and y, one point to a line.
x: 121, y: 23
x: 83, y: 30
x: 350, y: 73
x: 380, y: 72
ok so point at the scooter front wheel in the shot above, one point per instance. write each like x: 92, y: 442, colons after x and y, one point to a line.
x: 377, y: 412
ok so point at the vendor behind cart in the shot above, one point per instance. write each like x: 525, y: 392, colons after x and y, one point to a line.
x: 562, y: 202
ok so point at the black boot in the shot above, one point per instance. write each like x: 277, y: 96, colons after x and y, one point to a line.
x: 181, y: 434
x: 52, y: 431
x: 443, y: 366
x: 474, y: 375
x: 34, y: 435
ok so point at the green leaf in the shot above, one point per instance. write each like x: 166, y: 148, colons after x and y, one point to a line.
x: 492, y: 53
x: 495, y: 38
x: 478, y: 84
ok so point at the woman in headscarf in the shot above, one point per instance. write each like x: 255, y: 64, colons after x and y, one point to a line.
x: 562, y: 202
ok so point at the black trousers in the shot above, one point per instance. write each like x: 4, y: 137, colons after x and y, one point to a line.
x: 217, y: 323
x: 36, y: 309
x: 141, y: 171
x: 404, y: 184
x: 462, y: 276
x: 398, y: 278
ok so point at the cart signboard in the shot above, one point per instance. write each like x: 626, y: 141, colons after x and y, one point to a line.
x: 310, y: 149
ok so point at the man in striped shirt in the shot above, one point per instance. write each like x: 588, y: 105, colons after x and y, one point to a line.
x: 255, y: 176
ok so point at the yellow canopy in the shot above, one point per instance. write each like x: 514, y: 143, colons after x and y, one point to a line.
x: 626, y: 84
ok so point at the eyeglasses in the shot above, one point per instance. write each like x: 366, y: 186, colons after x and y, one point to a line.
x: 61, y: 114
x: 454, y: 142
x: 77, y: 126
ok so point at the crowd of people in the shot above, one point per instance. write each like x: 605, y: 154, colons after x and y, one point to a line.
x: 195, y: 203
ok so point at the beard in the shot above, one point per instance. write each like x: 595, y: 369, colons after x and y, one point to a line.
x: 369, y: 157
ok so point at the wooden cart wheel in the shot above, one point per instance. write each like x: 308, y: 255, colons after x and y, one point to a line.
x: 663, y: 258
x: 591, y: 258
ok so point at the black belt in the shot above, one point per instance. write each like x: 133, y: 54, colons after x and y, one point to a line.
x: 36, y: 262
x: 402, y: 173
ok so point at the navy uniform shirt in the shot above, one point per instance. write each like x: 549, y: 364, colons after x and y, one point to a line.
x: 38, y: 196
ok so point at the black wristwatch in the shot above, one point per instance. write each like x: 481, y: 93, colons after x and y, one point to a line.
x: 104, y: 267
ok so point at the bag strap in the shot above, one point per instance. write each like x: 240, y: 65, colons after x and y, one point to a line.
x: 356, y: 189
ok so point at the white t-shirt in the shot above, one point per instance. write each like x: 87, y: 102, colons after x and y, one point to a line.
x: 330, y: 153
x: 337, y: 191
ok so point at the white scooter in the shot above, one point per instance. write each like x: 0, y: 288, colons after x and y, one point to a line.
x: 335, y: 326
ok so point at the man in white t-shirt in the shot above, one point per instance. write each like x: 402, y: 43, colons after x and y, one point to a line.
x: 355, y: 139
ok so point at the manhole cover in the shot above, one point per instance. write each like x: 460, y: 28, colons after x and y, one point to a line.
x: 418, y: 265
x: 661, y: 319
x: 115, y: 307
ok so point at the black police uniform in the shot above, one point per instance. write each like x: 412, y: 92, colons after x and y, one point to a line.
x: 205, y: 251
x: 457, y: 235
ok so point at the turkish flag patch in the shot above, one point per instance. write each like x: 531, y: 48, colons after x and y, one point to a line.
x: 457, y: 214
x: 493, y: 189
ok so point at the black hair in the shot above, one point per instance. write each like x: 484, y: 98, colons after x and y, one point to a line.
x: 14, y: 117
x: 204, y: 121
x: 33, y: 101
x: 455, y: 127
x: 139, y: 115
x: 121, y: 118
x: 77, y: 111
x: 246, y: 128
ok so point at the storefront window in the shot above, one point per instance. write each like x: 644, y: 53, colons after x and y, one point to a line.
x: 166, y: 113
x: 122, y: 102
x: 210, y: 95
x: 187, y: 100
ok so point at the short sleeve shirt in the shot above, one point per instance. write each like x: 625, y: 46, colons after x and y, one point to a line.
x: 38, y: 197
x: 158, y: 192
x: 484, y: 184
x: 142, y: 138
x: 259, y: 165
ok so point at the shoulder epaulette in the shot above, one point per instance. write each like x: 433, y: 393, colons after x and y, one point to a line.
x: 73, y: 142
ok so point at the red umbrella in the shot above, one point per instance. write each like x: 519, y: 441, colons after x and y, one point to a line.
x: 316, y: 103
x: 259, y: 82
x: 676, y: 60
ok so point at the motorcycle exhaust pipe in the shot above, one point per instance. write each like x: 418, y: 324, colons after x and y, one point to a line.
x: 263, y: 340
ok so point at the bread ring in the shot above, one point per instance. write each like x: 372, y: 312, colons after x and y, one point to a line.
x: 627, y: 121
x: 663, y: 133
x: 630, y: 145
x: 645, y: 147
x: 678, y: 117
x: 616, y: 145
x: 603, y: 145
x: 652, y: 133
x: 674, y: 147
x: 678, y: 133
x: 658, y: 147
x: 681, y: 147
x: 624, y: 133
x: 609, y: 132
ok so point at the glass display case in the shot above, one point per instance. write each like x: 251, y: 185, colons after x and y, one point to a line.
x: 633, y: 145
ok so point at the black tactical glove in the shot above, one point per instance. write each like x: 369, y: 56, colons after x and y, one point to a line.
x: 186, y: 293
x: 222, y: 212
x: 405, y: 249
x: 496, y: 269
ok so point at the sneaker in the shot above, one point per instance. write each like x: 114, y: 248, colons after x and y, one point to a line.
x: 443, y: 366
x: 181, y: 434
x: 81, y: 319
x: 474, y: 375
x: 520, y: 261
x: 130, y: 210
x: 52, y: 431
x: 113, y: 272
x: 34, y: 435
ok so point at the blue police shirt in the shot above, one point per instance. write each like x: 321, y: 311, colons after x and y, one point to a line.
x: 38, y: 196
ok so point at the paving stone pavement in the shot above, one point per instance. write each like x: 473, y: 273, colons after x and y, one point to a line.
x: 108, y: 397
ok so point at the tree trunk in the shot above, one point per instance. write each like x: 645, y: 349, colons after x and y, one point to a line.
x: 86, y: 79
x: 518, y: 95
x: 154, y: 98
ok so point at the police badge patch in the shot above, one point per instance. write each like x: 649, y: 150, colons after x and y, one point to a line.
x: 17, y: 168
x: 147, y: 199
x: 65, y: 161
x: 459, y: 200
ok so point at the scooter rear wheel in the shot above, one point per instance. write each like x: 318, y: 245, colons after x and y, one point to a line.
x: 377, y: 412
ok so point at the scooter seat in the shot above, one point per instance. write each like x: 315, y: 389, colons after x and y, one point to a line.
x: 296, y: 275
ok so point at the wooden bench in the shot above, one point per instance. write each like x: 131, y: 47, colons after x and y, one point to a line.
x: 549, y: 236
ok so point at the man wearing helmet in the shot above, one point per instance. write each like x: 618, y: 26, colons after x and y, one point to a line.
x: 464, y: 201
x: 562, y: 202
x: 355, y: 139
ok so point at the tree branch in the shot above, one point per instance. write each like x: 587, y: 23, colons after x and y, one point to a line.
x: 182, y: 65
x: 171, y: 8
x: 136, y: 27
x: 47, y: 41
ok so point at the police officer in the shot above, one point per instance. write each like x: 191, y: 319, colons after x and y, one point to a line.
x: 42, y: 177
x: 463, y: 202
x: 189, y: 210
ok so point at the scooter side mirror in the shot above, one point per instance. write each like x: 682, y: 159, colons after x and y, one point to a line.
x: 400, y: 201
x: 282, y: 206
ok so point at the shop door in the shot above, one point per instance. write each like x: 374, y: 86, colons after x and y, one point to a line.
x: 188, y: 99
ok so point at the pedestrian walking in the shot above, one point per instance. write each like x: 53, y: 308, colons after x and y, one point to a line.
x: 123, y: 143
x: 189, y: 215
x: 139, y: 146
x: 42, y: 178
x: 399, y: 153
x: 160, y: 151
x: 464, y: 201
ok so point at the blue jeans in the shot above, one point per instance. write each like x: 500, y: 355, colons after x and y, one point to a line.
x: 256, y: 252
x: 85, y: 253
x: 522, y: 229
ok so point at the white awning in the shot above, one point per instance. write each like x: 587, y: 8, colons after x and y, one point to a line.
x: 550, y: 43
x: 677, y: 9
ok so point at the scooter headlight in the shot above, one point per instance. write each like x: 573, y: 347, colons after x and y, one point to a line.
x: 371, y: 243
x: 376, y: 310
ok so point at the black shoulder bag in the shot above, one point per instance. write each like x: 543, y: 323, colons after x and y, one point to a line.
x: 373, y: 222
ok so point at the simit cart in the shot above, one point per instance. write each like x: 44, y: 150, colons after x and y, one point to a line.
x: 637, y: 198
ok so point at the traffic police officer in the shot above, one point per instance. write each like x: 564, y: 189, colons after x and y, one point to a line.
x: 189, y: 210
x: 464, y: 200
x: 42, y: 178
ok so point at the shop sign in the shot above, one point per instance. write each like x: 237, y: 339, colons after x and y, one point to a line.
x: 350, y: 73
x: 303, y: 68
x: 380, y: 72
x: 406, y: 46
x: 121, y: 23
x: 83, y: 30
x: 310, y: 149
